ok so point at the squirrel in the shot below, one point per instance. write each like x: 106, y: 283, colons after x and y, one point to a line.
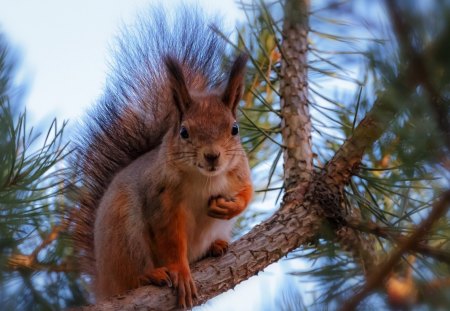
x: 162, y: 170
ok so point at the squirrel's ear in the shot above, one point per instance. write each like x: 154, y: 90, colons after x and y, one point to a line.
x: 235, y: 87
x: 177, y: 83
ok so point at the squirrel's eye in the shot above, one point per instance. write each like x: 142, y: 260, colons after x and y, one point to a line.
x: 235, y: 129
x: 184, y: 133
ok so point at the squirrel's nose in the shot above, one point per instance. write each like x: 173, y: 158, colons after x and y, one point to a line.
x: 211, y: 158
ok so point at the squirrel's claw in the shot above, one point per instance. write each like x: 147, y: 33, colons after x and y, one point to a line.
x: 158, y: 276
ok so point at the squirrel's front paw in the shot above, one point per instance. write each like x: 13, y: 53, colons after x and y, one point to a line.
x: 223, y: 208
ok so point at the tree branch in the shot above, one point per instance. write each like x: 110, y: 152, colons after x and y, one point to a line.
x: 382, y: 272
x: 31, y: 262
x: 346, y: 161
x: 398, y: 238
x: 296, y: 120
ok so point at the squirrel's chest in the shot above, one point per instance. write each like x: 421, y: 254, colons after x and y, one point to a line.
x: 202, y: 229
x: 198, y: 191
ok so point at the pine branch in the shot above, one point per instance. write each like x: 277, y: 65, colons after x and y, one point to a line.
x: 31, y: 262
x: 346, y: 161
x: 296, y: 120
x: 398, y: 238
x: 376, y: 277
x: 19, y: 262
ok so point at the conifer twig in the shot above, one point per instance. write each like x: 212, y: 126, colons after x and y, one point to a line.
x: 378, y: 275
x: 398, y: 238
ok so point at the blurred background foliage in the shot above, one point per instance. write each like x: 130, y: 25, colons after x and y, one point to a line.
x: 355, y: 56
x: 36, y: 272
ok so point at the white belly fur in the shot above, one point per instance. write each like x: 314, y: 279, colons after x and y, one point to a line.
x: 202, y: 230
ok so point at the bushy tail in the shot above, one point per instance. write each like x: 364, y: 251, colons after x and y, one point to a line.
x: 135, y: 111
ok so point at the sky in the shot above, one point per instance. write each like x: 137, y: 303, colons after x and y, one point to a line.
x: 63, y: 47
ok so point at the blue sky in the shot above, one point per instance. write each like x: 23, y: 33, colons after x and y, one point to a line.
x: 64, y: 45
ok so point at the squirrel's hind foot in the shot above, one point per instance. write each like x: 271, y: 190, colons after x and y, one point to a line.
x: 218, y: 248
x: 175, y: 277
x: 158, y: 276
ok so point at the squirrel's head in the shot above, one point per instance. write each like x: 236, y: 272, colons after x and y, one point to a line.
x: 206, y: 138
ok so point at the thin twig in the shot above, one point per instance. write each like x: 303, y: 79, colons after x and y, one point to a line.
x: 379, y: 274
x: 398, y: 238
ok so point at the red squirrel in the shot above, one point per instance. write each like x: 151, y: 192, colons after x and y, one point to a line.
x: 160, y: 161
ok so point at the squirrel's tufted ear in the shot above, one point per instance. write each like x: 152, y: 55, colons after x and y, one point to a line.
x: 235, y: 87
x: 178, y: 85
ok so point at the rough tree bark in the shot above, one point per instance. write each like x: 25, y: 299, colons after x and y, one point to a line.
x: 295, y: 121
x: 310, y: 198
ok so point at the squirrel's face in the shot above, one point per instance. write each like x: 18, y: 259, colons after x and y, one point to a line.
x: 207, y: 139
